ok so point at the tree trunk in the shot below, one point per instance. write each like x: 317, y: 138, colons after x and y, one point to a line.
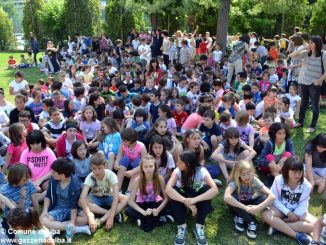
x: 154, y: 21
x: 223, y: 23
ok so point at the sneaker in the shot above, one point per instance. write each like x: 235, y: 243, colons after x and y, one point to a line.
x: 238, y: 223
x: 166, y: 219
x: 218, y: 182
x: 118, y: 218
x: 252, y: 230
x: 139, y: 222
x: 303, y: 238
x: 180, y: 238
x: 200, y: 236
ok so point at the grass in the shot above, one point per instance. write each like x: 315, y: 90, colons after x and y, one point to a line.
x: 219, y: 224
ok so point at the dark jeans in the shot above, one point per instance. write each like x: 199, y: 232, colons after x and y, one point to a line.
x: 179, y: 209
x: 312, y: 92
x: 35, y: 58
x: 166, y: 60
x: 247, y: 217
x: 149, y: 222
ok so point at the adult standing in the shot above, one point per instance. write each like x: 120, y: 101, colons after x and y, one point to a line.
x: 53, y: 62
x: 165, y: 47
x: 235, y: 59
x: 311, y: 77
x: 157, y: 44
x: 296, y: 63
x: 34, y: 47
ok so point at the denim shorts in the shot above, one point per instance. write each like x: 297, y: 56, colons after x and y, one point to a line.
x: 130, y: 164
x: 105, y: 201
x: 60, y: 214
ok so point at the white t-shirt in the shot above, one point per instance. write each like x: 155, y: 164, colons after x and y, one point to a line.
x: 18, y: 86
x: 293, y: 101
x: 4, y: 119
x: 102, y: 188
x: 217, y: 55
x: 142, y: 48
x: 169, y: 165
x: 135, y: 44
x: 198, y: 180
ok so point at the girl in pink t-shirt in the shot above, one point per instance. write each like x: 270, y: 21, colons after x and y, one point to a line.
x: 147, y: 205
x: 129, y: 156
x: 17, y: 135
x: 39, y: 159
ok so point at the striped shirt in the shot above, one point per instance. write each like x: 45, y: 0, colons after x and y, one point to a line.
x: 55, y: 129
x: 311, y: 68
x: 13, y: 193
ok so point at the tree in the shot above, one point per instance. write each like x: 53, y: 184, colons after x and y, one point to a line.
x: 223, y: 23
x: 31, y: 19
x: 318, y: 18
x: 6, y: 31
x: 52, y: 21
x: 120, y: 18
x: 82, y: 16
x: 9, y: 7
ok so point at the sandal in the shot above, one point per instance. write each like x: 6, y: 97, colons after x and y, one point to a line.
x: 310, y: 130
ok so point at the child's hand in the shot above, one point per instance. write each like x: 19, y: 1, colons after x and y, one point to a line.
x: 155, y: 212
x: 148, y: 212
x: 193, y: 210
x: 92, y: 224
x: 189, y: 201
x: 128, y: 174
x: 44, y: 214
x: 292, y: 217
x: 253, y: 209
x: 23, y: 192
x: 109, y: 222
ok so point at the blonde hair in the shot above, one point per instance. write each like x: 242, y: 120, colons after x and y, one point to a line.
x: 237, y: 170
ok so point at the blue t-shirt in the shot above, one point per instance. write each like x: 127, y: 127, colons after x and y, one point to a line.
x: 141, y: 129
x: 111, y: 143
x: 153, y: 110
x: 13, y: 194
x: 36, y: 108
x: 63, y: 200
x: 215, y: 130
x: 231, y: 110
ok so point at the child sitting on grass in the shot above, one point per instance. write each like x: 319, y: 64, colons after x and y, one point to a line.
x: 100, y: 195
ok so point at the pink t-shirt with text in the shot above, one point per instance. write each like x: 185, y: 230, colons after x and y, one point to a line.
x: 39, y: 163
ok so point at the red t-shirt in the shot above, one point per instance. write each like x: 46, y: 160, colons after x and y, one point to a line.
x: 12, y: 62
x: 203, y: 47
x: 180, y: 118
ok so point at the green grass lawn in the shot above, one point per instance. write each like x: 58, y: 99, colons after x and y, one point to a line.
x: 219, y: 224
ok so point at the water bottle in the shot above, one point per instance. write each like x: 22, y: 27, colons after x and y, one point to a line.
x: 69, y: 232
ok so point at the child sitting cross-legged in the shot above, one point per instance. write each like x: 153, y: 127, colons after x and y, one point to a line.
x: 61, y: 201
x: 146, y: 203
x: 246, y: 196
x: 103, y: 198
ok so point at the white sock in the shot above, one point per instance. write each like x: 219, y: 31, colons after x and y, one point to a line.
x: 83, y: 229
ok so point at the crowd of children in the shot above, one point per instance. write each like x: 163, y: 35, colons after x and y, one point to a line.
x: 167, y: 125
